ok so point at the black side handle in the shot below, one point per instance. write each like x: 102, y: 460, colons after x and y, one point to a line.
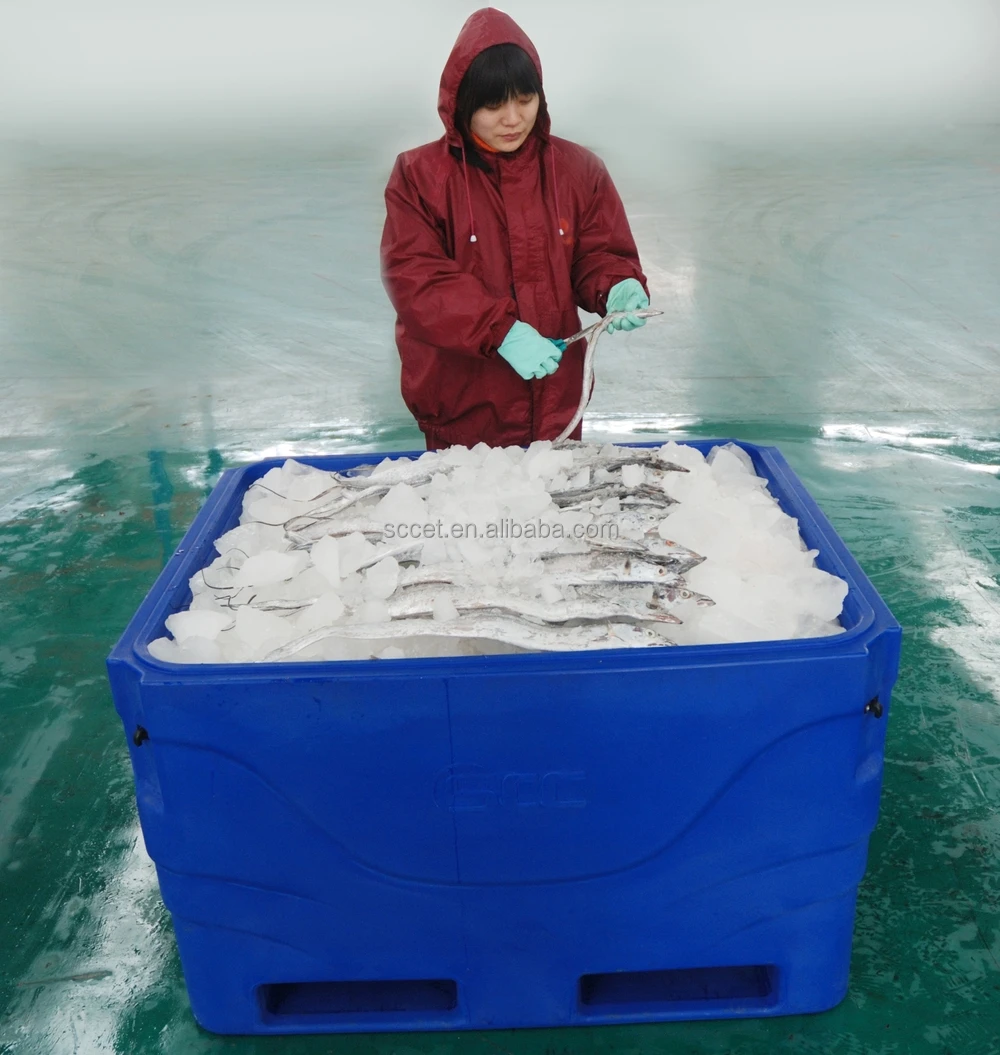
x: 872, y: 707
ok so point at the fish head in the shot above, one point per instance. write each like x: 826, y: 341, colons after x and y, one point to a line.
x: 673, y: 552
x: 633, y: 635
x: 678, y: 595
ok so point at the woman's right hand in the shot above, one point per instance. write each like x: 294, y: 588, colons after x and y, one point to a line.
x: 529, y: 353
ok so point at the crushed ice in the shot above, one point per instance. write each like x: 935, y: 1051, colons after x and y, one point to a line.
x: 270, y: 586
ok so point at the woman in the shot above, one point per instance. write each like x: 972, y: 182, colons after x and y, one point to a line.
x: 494, y: 235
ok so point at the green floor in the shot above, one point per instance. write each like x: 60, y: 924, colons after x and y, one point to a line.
x: 163, y: 315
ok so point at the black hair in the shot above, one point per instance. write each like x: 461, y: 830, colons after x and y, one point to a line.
x: 496, y: 75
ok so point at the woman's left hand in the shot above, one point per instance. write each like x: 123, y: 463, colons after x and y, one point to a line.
x: 627, y: 295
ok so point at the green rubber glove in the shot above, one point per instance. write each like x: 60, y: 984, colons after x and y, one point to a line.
x: 627, y: 295
x: 529, y: 353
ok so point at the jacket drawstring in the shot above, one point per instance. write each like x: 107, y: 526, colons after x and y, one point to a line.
x: 468, y: 194
x: 560, y: 222
x: 555, y: 191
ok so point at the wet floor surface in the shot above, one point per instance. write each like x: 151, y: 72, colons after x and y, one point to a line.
x: 165, y: 316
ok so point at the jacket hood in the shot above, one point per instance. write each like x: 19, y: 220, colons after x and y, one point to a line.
x: 483, y: 29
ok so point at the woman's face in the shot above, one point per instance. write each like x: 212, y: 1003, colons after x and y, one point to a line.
x: 506, y: 126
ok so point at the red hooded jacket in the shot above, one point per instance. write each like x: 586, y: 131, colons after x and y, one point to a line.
x: 457, y: 297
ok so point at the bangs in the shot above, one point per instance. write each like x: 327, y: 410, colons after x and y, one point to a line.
x: 497, y: 74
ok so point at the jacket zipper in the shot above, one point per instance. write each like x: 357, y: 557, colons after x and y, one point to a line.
x: 513, y: 291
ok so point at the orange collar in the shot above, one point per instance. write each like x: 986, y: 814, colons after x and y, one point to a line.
x: 483, y: 146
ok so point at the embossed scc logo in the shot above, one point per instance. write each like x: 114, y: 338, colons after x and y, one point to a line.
x: 462, y: 788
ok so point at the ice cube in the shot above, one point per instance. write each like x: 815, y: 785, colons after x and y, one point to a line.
x: 380, y: 579
x: 291, y: 470
x: 389, y: 465
x: 458, y: 455
x: 820, y: 594
x: 269, y: 567
x: 310, y: 486
x: 204, y: 602
x: 444, y: 609
x: 269, y: 510
x: 262, y: 631
x: 463, y: 480
x: 526, y: 504
x: 309, y: 583
x: 471, y: 551
x: 810, y: 626
x: 433, y: 551
x: 401, y: 505
x: 324, y: 612
x: 165, y: 650
x: 521, y: 566
x: 681, y: 454
x: 325, y: 555
x: 730, y: 473
x: 720, y: 626
x: 374, y: 611
x: 497, y: 463
x: 204, y: 624
x: 250, y: 539
x: 199, y: 650
x: 235, y: 650
x: 355, y: 551
x: 550, y: 593
x: 725, y: 454
x: 633, y: 475
x: 547, y: 463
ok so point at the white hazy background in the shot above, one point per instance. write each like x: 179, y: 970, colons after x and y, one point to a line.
x: 615, y: 72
